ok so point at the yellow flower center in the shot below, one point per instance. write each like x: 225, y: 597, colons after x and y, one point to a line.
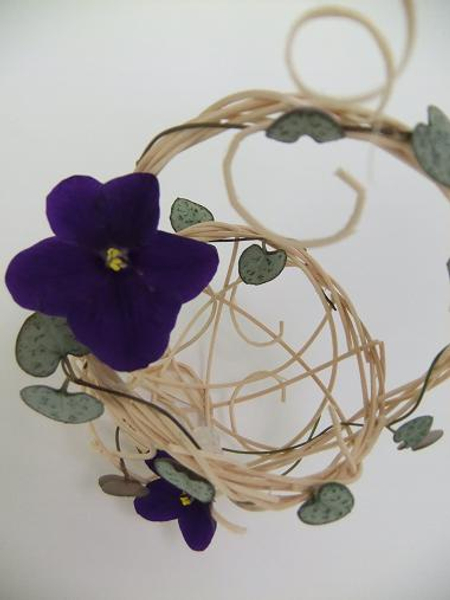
x: 185, y: 499
x: 116, y: 259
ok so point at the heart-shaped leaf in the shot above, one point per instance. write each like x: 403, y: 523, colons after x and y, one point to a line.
x: 185, y: 480
x: 305, y: 121
x: 258, y: 266
x: 413, y: 432
x: 43, y: 341
x: 61, y: 405
x: 117, y: 485
x: 431, y: 145
x: 332, y: 502
x: 185, y: 213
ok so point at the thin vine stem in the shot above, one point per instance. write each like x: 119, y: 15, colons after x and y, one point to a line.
x: 239, y: 239
x: 201, y: 125
x: 422, y: 390
x: 123, y: 467
x: 70, y: 375
x: 385, y: 131
x: 289, y: 448
x: 67, y: 368
x: 310, y: 437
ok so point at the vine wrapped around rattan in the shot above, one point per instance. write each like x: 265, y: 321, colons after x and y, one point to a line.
x: 174, y: 406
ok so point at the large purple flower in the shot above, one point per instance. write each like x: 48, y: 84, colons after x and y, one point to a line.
x: 165, y: 502
x: 118, y: 280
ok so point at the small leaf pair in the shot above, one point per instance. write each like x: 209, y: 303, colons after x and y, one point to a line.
x: 416, y: 434
x: 316, y: 124
x: 168, y: 469
x: 42, y: 343
x: 430, y: 142
x: 256, y: 264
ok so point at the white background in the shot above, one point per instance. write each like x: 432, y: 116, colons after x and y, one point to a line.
x: 84, y: 86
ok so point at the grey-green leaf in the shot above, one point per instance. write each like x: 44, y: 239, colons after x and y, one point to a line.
x: 43, y: 341
x: 429, y: 439
x: 61, y: 405
x: 335, y: 494
x: 258, y: 266
x: 413, y: 432
x: 332, y: 502
x: 318, y: 125
x: 185, y: 480
x: 185, y: 213
x: 431, y: 145
x: 117, y: 485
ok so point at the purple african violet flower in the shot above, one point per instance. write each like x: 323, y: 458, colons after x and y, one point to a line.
x: 165, y: 502
x: 118, y: 281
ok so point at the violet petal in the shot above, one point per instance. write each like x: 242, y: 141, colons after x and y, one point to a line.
x: 197, y: 525
x: 132, y: 209
x: 52, y: 276
x: 178, y: 265
x: 162, y: 503
x: 127, y: 326
x: 74, y: 211
x: 123, y: 212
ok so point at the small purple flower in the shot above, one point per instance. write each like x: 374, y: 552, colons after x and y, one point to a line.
x: 118, y: 281
x: 165, y: 502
